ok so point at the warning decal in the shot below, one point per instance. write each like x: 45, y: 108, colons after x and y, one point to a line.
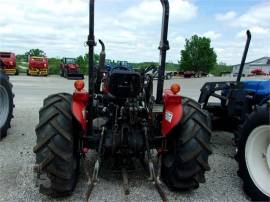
x: 168, y: 116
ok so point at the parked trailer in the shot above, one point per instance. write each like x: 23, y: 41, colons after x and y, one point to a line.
x: 37, y: 66
x: 9, y: 63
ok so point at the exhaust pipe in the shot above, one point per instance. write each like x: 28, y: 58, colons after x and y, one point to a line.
x: 239, y: 76
x: 163, y: 47
x: 101, y: 67
x: 91, y: 43
x: 102, y: 56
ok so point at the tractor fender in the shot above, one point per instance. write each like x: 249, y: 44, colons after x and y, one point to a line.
x: 79, y: 103
x: 173, y: 111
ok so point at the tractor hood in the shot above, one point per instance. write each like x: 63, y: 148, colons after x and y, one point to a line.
x: 72, y: 66
x: 260, y: 87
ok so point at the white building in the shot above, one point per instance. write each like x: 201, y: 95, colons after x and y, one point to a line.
x: 261, y: 63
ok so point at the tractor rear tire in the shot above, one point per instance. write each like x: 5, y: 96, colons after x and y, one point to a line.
x: 57, y: 157
x: 6, y: 104
x: 246, y: 156
x: 188, y: 145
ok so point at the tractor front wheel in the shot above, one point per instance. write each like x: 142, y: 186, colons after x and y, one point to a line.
x: 188, y: 145
x: 57, y: 158
x: 253, y: 154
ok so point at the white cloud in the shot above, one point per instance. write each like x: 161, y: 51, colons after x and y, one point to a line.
x: 212, y: 35
x: 148, y: 11
x: 179, y: 40
x: 60, y: 27
x: 256, y: 31
x: 256, y: 16
x: 226, y: 16
x: 220, y: 51
x: 257, y: 20
x: 130, y: 29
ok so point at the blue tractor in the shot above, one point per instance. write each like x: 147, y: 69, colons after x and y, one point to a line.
x: 244, y: 109
x: 120, y: 65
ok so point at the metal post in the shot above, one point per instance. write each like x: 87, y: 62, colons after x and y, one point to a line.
x: 91, y: 43
x: 244, y: 57
x: 163, y: 47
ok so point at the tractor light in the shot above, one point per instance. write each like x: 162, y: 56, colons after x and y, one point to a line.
x: 175, y: 88
x: 79, y: 85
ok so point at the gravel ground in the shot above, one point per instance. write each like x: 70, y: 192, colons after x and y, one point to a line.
x: 17, y: 159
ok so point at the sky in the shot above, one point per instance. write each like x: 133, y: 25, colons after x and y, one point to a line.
x: 131, y: 28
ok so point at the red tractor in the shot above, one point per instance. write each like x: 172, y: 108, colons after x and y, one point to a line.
x: 38, y: 66
x: 9, y: 63
x: 120, y: 119
x: 258, y: 72
x: 69, y: 69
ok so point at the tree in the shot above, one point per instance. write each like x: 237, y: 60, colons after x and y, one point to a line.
x: 198, y: 55
x: 35, y: 52
x: 82, y: 61
x: 54, y: 65
x: 221, y: 68
x: 21, y: 58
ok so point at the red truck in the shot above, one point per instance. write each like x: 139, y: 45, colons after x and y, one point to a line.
x: 9, y: 63
x: 38, y: 66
